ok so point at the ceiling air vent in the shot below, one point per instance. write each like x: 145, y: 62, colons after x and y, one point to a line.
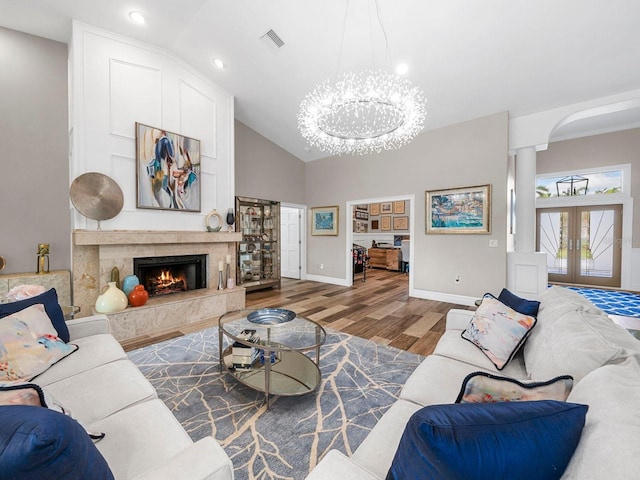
x: 272, y: 39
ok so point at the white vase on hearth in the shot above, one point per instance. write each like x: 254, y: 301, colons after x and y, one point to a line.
x: 112, y: 300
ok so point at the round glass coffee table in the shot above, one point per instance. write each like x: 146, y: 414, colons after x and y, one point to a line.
x: 266, y: 350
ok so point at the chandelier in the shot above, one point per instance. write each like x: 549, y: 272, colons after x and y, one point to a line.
x: 362, y: 113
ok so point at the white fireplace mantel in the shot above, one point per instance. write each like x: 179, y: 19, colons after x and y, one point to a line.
x: 151, y: 237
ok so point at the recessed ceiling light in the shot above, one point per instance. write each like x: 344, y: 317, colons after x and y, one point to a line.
x: 402, y: 69
x: 218, y: 63
x: 137, y: 17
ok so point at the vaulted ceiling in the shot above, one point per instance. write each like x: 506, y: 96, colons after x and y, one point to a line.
x: 470, y: 58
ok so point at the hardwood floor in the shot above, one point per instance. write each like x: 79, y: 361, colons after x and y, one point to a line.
x: 379, y: 309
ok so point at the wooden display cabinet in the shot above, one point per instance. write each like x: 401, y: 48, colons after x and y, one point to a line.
x: 389, y: 258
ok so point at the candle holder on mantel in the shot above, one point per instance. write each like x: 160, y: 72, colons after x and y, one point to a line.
x: 43, y: 258
x: 230, y: 281
x: 220, y: 277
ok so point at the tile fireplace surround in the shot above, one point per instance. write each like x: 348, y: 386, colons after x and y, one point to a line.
x: 96, y: 252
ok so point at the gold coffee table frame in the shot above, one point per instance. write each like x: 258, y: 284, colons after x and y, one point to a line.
x: 292, y: 372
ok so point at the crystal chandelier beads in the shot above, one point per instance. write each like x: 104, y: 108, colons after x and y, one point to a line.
x: 362, y: 113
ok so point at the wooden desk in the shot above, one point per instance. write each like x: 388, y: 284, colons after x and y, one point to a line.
x: 389, y: 258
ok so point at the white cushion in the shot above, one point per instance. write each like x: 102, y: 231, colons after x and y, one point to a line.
x: 376, y: 452
x: 140, y: 438
x: 204, y: 460
x: 337, y: 465
x: 608, y: 448
x: 556, y: 299
x: 92, y: 351
x: 452, y: 345
x: 102, y: 391
x: 555, y: 302
x: 578, y: 343
x: 437, y: 380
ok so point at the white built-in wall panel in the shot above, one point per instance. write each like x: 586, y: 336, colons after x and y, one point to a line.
x: 116, y: 82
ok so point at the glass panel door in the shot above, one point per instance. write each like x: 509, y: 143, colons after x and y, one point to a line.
x: 599, y: 245
x: 582, y: 244
x: 553, y: 239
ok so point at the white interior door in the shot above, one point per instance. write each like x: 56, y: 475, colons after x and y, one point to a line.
x: 290, y: 249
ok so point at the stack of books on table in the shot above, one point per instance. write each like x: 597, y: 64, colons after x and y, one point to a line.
x: 243, y: 356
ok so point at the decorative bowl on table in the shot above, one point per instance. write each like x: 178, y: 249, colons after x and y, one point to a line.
x: 271, y: 316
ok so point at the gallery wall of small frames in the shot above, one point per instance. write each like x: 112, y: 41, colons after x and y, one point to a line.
x: 381, y: 217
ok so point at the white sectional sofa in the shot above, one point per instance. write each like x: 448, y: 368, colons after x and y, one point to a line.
x: 107, y: 393
x: 571, y: 337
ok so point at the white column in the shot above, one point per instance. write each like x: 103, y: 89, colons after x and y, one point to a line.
x: 526, y: 200
x: 526, y: 269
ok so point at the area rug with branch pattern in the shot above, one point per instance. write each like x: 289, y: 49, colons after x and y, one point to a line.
x: 360, y: 381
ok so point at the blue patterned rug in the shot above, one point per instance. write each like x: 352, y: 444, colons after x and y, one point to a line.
x: 360, y: 381
x: 612, y: 302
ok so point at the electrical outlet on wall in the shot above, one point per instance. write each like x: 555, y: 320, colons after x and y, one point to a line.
x: 321, y: 266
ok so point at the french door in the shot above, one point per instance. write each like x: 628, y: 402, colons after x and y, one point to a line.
x: 582, y: 243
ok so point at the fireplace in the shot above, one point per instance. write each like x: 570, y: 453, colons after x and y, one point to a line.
x: 172, y: 274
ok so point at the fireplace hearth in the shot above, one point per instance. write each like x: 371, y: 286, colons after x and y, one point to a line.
x: 171, y: 274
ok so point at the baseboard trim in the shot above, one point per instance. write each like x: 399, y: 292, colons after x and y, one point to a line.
x: 332, y: 280
x: 444, y: 297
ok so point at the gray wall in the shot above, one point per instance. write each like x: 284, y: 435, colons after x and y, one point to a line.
x: 597, y: 151
x: 470, y: 153
x: 264, y: 170
x: 35, y: 153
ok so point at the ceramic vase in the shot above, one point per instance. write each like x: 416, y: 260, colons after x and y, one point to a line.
x: 112, y: 300
x: 138, y: 296
x: 129, y: 282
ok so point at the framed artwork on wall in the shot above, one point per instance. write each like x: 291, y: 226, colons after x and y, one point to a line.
x: 465, y: 210
x: 167, y: 170
x: 360, y: 215
x: 363, y: 207
x: 375, y: 225
x: 324, y: 220
x: 385, y: 222
x: 360, y: 227
x: 386, y: 207
x: 375, y: 209
x: 401, y: 223
x: 398, y: 207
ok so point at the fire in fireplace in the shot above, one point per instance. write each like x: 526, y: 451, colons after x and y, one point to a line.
x: 173, y: 274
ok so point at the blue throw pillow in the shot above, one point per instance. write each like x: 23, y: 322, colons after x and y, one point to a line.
x: 523, y: 440
x: 37, y: 443
x: 50, y: 301
x: 521, y: 305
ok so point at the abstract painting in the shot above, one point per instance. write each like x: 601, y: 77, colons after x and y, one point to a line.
x: 167, y: 170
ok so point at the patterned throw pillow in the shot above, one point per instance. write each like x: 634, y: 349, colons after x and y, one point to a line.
x: 50, y: 301
x: 498, y: 330
x: 27, y: 346
x: 481, y: 387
